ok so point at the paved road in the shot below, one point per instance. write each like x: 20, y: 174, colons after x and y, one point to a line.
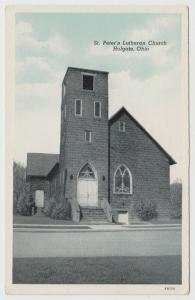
x: 28, y: 242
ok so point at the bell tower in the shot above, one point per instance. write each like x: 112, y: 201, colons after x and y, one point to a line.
x: 84, y: 136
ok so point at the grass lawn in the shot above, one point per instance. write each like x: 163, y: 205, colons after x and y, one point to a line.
x: 17, y: 219
x: 171, y: 221
x: 98, y: 270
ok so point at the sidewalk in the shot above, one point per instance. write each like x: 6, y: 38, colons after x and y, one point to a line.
x: 97, y: 241
x: 93, y: 227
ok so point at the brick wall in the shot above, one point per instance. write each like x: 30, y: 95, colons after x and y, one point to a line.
x: 148, y: 165
x: 75, y: 152
x: 54, y: 183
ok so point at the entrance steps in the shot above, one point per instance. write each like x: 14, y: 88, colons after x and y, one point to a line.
x: 93, y: 215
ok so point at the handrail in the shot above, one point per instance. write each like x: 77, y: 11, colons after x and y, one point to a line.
x: 107, y: 209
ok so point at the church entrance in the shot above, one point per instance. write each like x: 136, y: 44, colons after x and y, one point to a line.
x: 39, y: 202
x: 87, y: 186
x: 39, y: 198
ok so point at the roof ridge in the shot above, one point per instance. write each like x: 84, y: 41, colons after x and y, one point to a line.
x: 123, y: 109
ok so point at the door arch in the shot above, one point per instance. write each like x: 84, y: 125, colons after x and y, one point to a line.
x: 87, y: 186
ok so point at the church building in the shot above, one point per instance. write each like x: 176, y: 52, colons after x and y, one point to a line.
x: 105, y: 166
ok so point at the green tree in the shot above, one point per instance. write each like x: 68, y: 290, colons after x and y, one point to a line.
x: 19, y: 181
x: 23, y: 204
x: 176, y: 198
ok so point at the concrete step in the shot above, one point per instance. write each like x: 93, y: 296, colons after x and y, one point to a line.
x: 93, y: 214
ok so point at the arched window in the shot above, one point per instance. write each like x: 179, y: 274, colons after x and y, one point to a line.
x: 122, y: 180
x: 87, y: 172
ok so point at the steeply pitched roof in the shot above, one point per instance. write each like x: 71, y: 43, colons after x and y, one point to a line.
x: 122, y: 111
x: 40, y: 164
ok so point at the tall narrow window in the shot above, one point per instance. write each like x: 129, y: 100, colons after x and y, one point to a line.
x: 64, y: 111
x: 97, y: 109
x: 122, y: 126
x: 78, y: 107
x: 88, y: 136
x: 88, y: 82
x: 122, y: 180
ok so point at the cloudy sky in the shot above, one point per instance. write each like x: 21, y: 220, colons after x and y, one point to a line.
x: 147, y: 83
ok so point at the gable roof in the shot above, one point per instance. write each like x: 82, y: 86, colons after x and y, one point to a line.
x: 40, y: 164
x: 122, y: 111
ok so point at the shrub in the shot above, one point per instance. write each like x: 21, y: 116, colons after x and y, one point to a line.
x: 176, y: 199
x: 62, y: 212
x: 57, y: 211
x: 146, y: 210
x: 49, y: 206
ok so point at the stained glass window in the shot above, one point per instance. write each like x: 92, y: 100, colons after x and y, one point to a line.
x: 122, y: 180
x: 87, y: 172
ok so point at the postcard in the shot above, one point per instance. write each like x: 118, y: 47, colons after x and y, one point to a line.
x: 97, y: 162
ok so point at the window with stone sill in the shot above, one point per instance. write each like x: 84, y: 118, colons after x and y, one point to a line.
x: 97, y: 109
x: 88, y: 136
x: 78, y: 107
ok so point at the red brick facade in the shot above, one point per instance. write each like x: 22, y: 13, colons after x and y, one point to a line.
x: 148, y: 165
x: 75, y: 151
x: 108, y: 148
